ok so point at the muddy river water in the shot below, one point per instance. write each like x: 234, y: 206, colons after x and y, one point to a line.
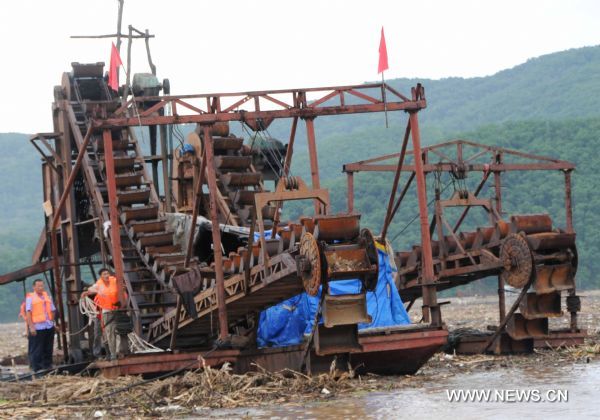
x: 565, y: 392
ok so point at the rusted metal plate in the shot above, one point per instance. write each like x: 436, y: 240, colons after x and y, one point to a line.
x: 139, y: 213
x: 347, y: 263
x: 241, y: 179
x: 162, y: 362
x: 384, y: 352
x: 128, y: 180
x: 155, y: 238
x: 345, y: 309
x: 531, y: 223
x: 147, y: 226
x: 475, y: 344
x: 137, y: 196
x: 345, y: 227
x: 541, y: 306
x: 561, y: 338
x: 551, y: 240
x: 520, y: 328
x: 233, y: 162
x: 550, y: 278
x: 336, y: 340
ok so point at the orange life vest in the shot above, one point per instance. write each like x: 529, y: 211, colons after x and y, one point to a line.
x: 107, y: 297
x: 41, y: 307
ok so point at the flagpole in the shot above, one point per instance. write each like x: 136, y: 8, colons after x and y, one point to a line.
x: 384, y: 100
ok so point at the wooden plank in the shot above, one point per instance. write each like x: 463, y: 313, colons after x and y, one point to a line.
x: 22, y: 273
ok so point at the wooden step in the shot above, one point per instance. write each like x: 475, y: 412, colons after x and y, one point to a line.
x: 117, y: 145
x: 155, y: 238
x: 122, y: 164
x: 139, y: 213
x: 142, y: 293
x: 163, y: 249
x: 164, y: 259
x: 233, y: 162
x: 129, y: 180
x: 147, y: 226
x: 176, y: 269
x: 241, y: 179
x: 137, y: 196
x: 227, y: 143
x: 242, y: 197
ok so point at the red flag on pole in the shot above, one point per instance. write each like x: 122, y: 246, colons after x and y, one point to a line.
x: 383, y: 61
x: 113, y: 71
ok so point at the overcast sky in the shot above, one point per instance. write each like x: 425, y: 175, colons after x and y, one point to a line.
x: 220, y: 45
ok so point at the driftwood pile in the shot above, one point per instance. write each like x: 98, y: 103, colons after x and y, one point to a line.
x: 203, y: 388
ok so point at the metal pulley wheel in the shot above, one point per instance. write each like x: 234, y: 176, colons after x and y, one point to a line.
x: 368, y: 242
x: 517, y: 258
x: 309, y: 263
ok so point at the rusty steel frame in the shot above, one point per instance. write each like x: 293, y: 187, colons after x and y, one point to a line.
x: 497, y: 165
x: 297, y: 105
x: 256, y: 109
x: 54, y: 240
x: 234, y: 288
x: 115, y: 229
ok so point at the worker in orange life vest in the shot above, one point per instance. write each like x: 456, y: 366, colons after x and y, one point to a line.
x: 107, y: 299
x: 39, y: 314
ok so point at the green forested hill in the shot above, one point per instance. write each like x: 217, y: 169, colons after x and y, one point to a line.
x: 546, y: 106
x: 554, y: 86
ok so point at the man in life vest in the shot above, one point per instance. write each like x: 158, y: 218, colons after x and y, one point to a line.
x: 107, y: 299
x: 39, y: 314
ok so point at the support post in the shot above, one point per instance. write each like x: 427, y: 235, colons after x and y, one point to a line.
x: 119, y: 20
x: 165, y: 168
x: 197, y: 195
x: 115, y: 230
x: 54, y: 241
x: 568, y: 202
x: 388, y: 214
x: 431, y: 309
x: 128, y: 73
x: 173, y: 341
x: 569, y: 229
x: 498, y: 192
x: 286, y: 169
x: 153, y: 134
x: 216, y: 234
x: 350, y: 180
x: 312, y: 154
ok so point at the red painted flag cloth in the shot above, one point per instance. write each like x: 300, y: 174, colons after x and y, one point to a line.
x: 383, y: 60
x: 113, y: 71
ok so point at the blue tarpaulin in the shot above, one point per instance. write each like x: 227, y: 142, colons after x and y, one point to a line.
x: 287, y: 322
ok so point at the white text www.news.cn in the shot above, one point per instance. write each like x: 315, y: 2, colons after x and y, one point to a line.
x: 508, y: 395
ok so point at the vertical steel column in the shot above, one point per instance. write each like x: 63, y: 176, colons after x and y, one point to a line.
x: 216, y: 233
x: 569, y: 228
x: 287, y: 164
x: 54, y: 239
x: 165, y: 167
x: 154, y: 163
x: 197, y: 194
x: 388, y: 213
x: 290, y: 149
x: 501, y: 294
x: 431, y: 310
x: 350, y: 180
x: 115, y: 230
x: 568, y: 202
x: 314, y: 163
